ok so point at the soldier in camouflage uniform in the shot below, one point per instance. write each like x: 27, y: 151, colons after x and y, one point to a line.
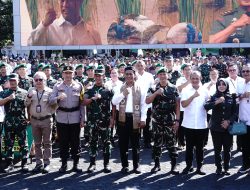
x: 233, y: 26
x: 25, y: 82
x: 87, y: 84
x: 15, y: 121
x: 165, y: 119
x: 79, y: 70
x: 98, y: 100
x: 173, y: 75
x: 205, y: 69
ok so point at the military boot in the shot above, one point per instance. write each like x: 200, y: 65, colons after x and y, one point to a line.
x: 10, y: 166
x: 24, y: 165
x: 75, y: 166
x: 92, y: 165
x: 107, y: 168
x: 64, y: 166
x: 157, y: 166
x: 174, y: 170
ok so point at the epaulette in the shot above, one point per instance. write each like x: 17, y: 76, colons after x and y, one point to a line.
x: 229, y: 12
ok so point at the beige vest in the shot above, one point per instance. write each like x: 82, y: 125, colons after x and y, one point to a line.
x: 136, y: 94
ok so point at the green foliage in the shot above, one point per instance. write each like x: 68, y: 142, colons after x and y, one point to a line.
x: 6, y: 23
x: 126, y: 7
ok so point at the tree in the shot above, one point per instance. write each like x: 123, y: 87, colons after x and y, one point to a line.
x: 6, y: 22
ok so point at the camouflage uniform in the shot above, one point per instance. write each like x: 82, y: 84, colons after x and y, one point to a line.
x: 51, y: 82
x: 15, y: 122
x: 222, y: 68
x: 98, y: 119
x: 79, y: 79
x: 163, y: 118
x: 25, y: 83
x: 173, y: 76
x: 205, y: 72
x: 3, y: 80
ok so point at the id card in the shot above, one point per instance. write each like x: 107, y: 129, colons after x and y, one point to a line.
x: 38, y: 109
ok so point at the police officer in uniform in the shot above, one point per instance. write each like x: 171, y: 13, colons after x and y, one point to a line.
x: 15, y: 121
x: 233, y: 26
x: 165, y: 119
x: 98, y: 100
x: 69, y: 116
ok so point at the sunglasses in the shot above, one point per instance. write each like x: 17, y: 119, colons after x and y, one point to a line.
x: 40, y: 80
x: 232, y: 70
x: 245, y: 71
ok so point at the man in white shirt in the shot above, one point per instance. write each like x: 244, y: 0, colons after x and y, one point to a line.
x: 132, y: 117
x: 68, y: 29
x: 145, y: 80
x: 194, y: 121
x: 244, y: 115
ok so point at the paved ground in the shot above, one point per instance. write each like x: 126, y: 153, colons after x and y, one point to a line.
x: 116, y: 180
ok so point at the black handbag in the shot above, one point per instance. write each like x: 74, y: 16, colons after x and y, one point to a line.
x: 238, y: 128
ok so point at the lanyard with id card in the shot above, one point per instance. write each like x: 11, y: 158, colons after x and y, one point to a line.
x: 39, y: 107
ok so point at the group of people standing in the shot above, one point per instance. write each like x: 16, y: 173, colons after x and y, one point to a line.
x: 171, y: 107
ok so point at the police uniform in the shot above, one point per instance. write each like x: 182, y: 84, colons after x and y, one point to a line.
x: 15, y: 123
x: 69, y: 115
x: 163, y: 118
x: 241, y: 34
x: 98, y: 119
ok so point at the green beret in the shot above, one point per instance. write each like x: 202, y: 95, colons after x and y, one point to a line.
x: 99, y: 72
x: 183, y: 66
x: 13, y: 76
x: 40, y: 66
x: 68, y: 69
x: 79, y: 66
x: 62, y: 65
x: 121, y: 65
x: 162, y: 70
x: 158, y: 65
x: 2, y: 65
x: 22, y: 66
x: 100, y: 67
x: 90, y: 68
x: 133, y: 62
x: 46, y: 67
x: 15, y: 69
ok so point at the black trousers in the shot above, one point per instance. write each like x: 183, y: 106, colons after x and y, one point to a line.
x: 69, y: 140
x: 225, y: 140
x: 181, y: 132
x: 246, y: 149
x: 1, y: 130
x: 126, y: 133
x: 147, y: 133
x: 195, y: 138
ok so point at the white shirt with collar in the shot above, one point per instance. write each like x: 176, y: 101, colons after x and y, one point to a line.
x: 2, y: 113
x: 195, y: 115
x: 62, y: 32
x: 235, y: 86
x: 118, y: 97
x: 244, y: 107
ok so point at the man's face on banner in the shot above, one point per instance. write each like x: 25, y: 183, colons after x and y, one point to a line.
x: 69, y: 8
x: 244, y: 3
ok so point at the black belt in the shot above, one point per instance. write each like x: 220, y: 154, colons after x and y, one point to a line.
x: 41, y: 118
x: 69, y: 109
x: 129, y: 114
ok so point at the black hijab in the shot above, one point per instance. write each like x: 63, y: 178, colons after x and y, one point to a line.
x: 226, y: 92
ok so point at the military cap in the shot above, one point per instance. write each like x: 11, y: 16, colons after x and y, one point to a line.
x: 46, y: 67
x: 22, y: 66
x: 183, y: 66
x: 15, y: 69
x: 158, y: 65
x: 162, y: 70
x: 129, y: 68
x: 79, y: 66
x: 133, y: 62
x: 40, y: 66
x: 90, y: 68
x: 2, y: 65
x: 121, y: 65
x: 68, y: 69
x: 13, y: 76
x: 101, y: 67
x: 99, y: 72
x: 168, y: 58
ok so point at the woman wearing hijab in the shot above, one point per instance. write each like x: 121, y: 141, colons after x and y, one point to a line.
x: 224, y: 112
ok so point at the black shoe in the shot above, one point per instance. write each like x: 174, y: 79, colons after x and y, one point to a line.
x: 244, y: 170
x: 218, y: 171
x: 155, y: 169
x: 91, y: 168
x: 9, y: 169
x: 46, y: 169
x: 200, y: 172
x: 226, y: 172
x: 187, y: 170
x: 25, y: 169
x: 63, y: 169
x: 125, y: 170
x: 76, y: 169
x: 174, y: 171
x: 107, y: 169
x: 137, y: 170
x: 147, y: 145
x: 38, y: 168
